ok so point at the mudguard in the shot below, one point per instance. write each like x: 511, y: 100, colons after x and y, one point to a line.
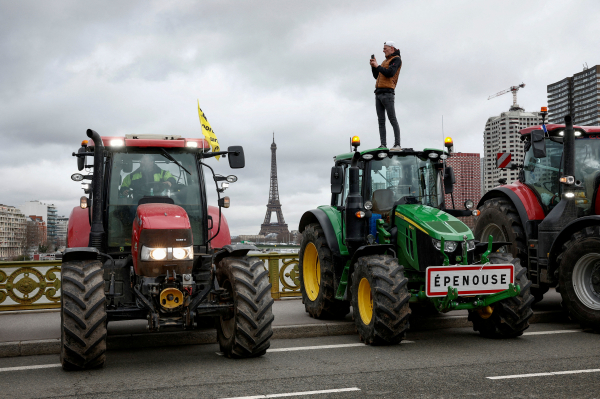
x: 367, y: 250
x: 233, y: 250
x: 81, y: 253
x: 324, y: 218
x: 522, y: 198
x: 564, y: 236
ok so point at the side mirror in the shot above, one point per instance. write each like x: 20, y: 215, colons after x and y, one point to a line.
x: 449, y: 180
x: 236, y: 157
x: 81, y: 160
x: 337, y: 179
x: 538, y: 143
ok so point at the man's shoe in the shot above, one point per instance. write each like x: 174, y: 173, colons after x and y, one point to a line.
x: 382, y: 146
x: 396, y: 148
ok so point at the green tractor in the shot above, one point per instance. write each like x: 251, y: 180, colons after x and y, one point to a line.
x: 387, y: 244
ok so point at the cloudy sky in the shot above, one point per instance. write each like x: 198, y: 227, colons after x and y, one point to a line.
x: 296, y: 68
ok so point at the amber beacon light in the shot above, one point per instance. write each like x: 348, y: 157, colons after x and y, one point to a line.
x: 448, y: 142
x: 355, y: 141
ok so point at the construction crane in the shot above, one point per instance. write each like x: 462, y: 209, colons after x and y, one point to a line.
x: 514, y: 90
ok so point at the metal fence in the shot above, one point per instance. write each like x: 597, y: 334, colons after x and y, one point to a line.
x: 36, y: 285
x: 29, y: 285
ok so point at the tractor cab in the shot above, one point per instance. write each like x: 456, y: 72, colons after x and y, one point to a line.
x: 544, y: 163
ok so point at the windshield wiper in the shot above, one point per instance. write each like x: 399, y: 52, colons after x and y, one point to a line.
x: 170, y: 158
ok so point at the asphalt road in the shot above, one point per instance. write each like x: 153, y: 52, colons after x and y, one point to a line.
x: 446, y: 363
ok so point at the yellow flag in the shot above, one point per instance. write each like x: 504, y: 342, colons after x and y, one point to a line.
x: 208, y: 133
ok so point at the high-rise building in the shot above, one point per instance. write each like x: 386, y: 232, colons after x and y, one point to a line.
x: 48, y: 214
x: 502, y: 135
x: 578, y: 96
x: 12, y: 231
x: 62, y: 223
x: 467, y: 169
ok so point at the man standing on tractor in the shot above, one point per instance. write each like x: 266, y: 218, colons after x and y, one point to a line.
x: 148, y: 179
x: 387, y: 78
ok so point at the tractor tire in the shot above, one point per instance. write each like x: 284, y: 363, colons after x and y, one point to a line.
x: 500, y: 218
x: 317, y: 276
x: 380, y: 300
x: 579, y: 277
x: 510, y: 317
x: 83, y: 315
x: 248, y: 332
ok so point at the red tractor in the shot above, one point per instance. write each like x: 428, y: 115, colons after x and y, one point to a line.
x: 144, y: 244
x: 551, y: 215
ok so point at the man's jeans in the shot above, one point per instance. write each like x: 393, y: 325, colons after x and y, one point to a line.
x: 385, y: 103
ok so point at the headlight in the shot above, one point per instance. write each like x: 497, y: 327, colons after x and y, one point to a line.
x: 469, y: 204
x: 183, y: 253
x: 368, y: 205
x: 154, y: 253
x: 449, y: 246
x: 367, y: 156
x: 382, y: 155
x: 180, y: 253
x: 470, y: 245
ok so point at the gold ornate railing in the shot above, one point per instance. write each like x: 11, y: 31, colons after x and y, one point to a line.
x: 283, y: 268
x: 29, y: 285
x: 36, y: 285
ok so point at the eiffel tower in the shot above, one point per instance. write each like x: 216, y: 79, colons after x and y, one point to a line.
x: 274, y: 205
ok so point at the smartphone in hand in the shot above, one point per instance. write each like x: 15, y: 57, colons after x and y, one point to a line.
x: 372, y: 56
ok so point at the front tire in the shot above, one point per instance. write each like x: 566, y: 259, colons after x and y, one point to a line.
x: 380, y: 300
x: 83, y: 315
x: 500, y: 219
x: 248, y: 332
x: 317, y: 276
x: 509, y: 317
x: 579, y: 276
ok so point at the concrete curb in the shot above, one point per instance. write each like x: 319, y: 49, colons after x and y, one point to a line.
x: 150, y: 340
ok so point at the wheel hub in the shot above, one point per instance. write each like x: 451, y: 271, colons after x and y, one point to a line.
x: 365, y: 301
x: 311, y: 271
x: 586, y: 280
x: 496, y: 232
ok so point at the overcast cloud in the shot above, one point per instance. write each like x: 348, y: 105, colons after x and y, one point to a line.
x: 299, y: 69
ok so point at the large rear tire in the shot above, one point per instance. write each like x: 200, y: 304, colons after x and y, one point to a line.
x: 317, y: 276
x: 500, y: 219
x: 83, y: 315
x: 380, y: 300
x: 509, y: 317
x: 579, y: 276
x: 248, y: 333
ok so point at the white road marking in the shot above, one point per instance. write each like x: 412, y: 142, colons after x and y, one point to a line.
x: 502, y: 377
x: 551, y: 332
x: 39, y: 366
x: 307, y: 348
x: 283, y: 395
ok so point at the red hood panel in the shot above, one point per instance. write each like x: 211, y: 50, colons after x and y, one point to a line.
x: 163, y: 216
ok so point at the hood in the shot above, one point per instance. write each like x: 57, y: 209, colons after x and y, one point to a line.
x: 434, y: 222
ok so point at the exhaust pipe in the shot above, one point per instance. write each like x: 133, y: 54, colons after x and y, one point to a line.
x: 97, y: 229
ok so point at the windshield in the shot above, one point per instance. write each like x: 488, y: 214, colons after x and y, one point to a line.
x: 406, y: 176
x: 587, y: 171
x: 138, y: 175
x: 542, y: 174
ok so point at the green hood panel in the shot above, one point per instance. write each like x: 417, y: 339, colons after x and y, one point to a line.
x: 434, y: 222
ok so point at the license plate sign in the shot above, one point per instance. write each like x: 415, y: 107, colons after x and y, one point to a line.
x: 469, y: 280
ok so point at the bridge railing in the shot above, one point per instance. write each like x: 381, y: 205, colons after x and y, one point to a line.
x: 34, y: 285
x: 29, y: 285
